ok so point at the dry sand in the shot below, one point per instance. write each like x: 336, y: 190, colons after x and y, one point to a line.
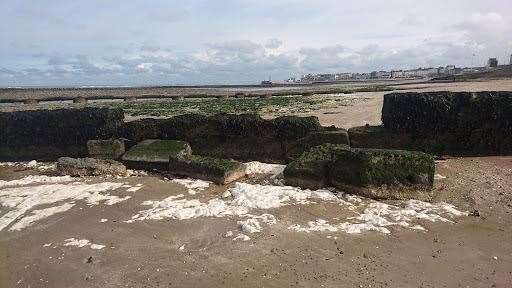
x: 470, y: 252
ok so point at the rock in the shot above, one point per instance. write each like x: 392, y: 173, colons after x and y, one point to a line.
x: 154, y: 154
x: 217, y: 170
x: 384, y: 174
x: 106, y: 149
x: 89, y: 167
x: 310, y: 169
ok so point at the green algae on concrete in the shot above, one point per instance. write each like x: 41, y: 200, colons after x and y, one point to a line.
x: 106, y: 149
x: 327, y: 135
x: 383, y: 174
x: 155, y: 154
x: 310, y: 169
x: 218, y: 170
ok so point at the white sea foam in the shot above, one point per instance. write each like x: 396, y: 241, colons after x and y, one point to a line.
x: 242, y: 237
x: 254, y: 223
x: 255, y: 168
x: 26, y: 200
x: 243, y: 198
x: 439, y: 177
x: 36, y: 215
x: 82, y: 243
x: 321, y: 225
x: 40, y: 166
x: 35, y: 179
x: 376, y: 216
x: 194, y: 185
x: 97, y: 246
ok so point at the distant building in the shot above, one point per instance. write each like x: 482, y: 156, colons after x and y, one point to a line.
x: 492, y: 63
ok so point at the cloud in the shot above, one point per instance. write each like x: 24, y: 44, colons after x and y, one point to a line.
x: 273, y: 43
x: 202, y: 42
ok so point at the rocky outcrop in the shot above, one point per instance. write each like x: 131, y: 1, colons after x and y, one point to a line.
x: 89, y: 167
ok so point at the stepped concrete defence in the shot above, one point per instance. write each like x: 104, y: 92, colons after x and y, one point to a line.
x: 242, y: 137
x: 49, y: 134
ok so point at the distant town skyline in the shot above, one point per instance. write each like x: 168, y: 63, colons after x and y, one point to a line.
x: 132, y: 43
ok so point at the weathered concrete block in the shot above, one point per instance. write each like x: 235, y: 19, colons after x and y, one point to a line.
x: 89, y: 167
x: 310, y: 169
x: 378, y: 137
x: 332, y: 136
x: 425, y: 113
x: 294, y: 127
x: 31, y: 101
x: 141, y: 129
x: 49, y: 134
x: 80, y: 100
x: 383, y: 174
x: 217, y: 170
x: 106, y: 149
x: 154, y: 154
x: 466, y: 123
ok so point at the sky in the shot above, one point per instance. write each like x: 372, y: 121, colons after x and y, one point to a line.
x: 173, y: 42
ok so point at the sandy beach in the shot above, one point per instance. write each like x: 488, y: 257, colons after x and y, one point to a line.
x: 148, y: 230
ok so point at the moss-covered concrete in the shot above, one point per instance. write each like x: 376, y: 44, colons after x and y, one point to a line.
x: 461, y: 123
x: 218, y: 170
x: 383, y: 174
x: 55, y: 132
x: 331, y: 135
x: 310, y: 169
x: 295, y: 127
x: 154, y: 154
x: 106, y: 149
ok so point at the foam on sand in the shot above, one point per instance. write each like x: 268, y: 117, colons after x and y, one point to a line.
x: 35, y: 179
x: 256, y: 168
x: 194, y: 185
x: 82, y: 243
x: 243, y: 199
x: 376, y: 216
x: 39, y: 214
x: 33, y: 198
x: 40, y: 166
x: 238, y: 201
